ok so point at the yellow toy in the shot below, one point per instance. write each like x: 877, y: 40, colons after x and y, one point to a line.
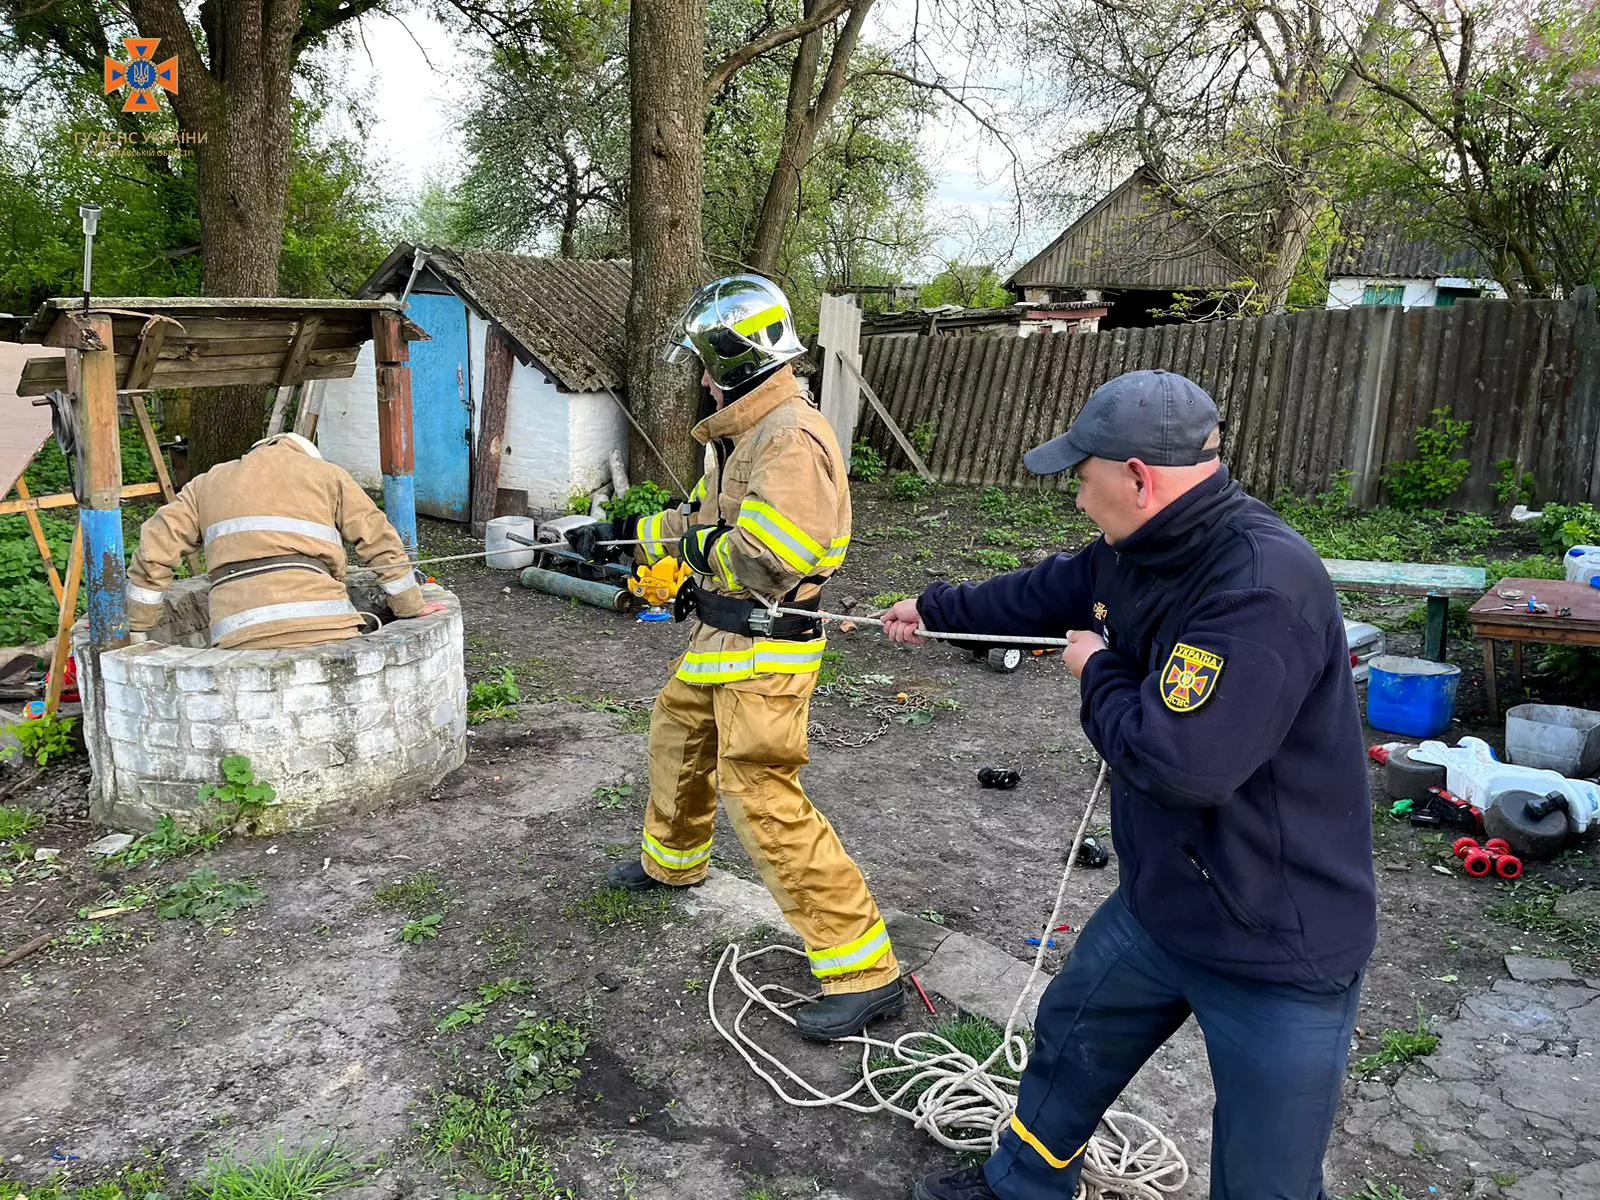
x: 657, y: 584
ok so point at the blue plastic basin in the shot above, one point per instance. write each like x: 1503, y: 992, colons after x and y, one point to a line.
x: 1414, y: 697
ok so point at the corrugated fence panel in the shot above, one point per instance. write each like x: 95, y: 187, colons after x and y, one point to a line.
x: 1302, y: 397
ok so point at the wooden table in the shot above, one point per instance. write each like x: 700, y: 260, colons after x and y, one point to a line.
x: 1439, y: 582
x: 1493, y: 621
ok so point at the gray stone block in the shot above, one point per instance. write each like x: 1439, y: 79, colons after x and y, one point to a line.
x: 1539, y: 970
x: 208, y: 706
x: 255, y: 705
x: 161, y: 733
x: 306, y: 670
x: 370, y: 660
x: 305, y: 698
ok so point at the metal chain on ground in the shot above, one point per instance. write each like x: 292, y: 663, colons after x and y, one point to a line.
x: 885, y: 710
x: 962, y: 1103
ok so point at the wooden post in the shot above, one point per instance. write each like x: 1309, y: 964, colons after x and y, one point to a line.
x: 64, y: 621
x: 839, y: 335
x: 92, y: 375
x: 39, y: 539
x: 497, y: 364
x: 396, y: 451
x: 160, y: 464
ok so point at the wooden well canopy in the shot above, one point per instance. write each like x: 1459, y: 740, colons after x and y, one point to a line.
x: 213, y: 341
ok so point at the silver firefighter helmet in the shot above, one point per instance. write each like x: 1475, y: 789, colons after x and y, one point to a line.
x: 739, y: 327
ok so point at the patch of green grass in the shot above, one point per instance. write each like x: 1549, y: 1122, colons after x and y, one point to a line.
x: 1399, y: 1046
x: 829, y: 671
x: 995, y: 560
x: 417, y: 894
x: 133, y: 1182
x: 325, y: 1169
x: 885, y: 599
x: 610, y: 907
x: 494, y: 699
x: 1387, y: 534
x: 167, y: 840
x: 471, y: 1012
x: 202, y: 896
x: 609, y: 797
x: 637, y: 721
x: 17, y: 822
x: 482, y: 1135
x: 421, y: 929
x: 1531, y: 907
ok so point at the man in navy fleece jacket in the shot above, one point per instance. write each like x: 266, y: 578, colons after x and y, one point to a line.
x: 1216, y: 684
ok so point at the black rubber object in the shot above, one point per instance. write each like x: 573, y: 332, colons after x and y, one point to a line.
x: 1406, y: 778
x: 1515, y: 818
x: 1002, y: 778
x: 1092, y: 854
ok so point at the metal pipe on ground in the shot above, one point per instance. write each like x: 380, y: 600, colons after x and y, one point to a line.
x: 601, y: 595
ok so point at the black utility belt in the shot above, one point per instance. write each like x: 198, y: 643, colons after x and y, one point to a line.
x: 259, y: 566
x: 746, y: 617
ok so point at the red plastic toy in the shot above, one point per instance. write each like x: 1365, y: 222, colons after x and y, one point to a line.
x: 1493, y: 857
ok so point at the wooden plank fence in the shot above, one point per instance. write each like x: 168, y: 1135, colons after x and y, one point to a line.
x: 1303, y: 397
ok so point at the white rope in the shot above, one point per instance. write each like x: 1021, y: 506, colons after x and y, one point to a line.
x: 963, y: 1103
x: 1002, y: 639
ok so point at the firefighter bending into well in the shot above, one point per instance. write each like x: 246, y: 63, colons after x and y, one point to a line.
x: 769, y: 519
x: 273, y: 524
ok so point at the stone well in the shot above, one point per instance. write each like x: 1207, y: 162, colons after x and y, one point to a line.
x: 346, y: 727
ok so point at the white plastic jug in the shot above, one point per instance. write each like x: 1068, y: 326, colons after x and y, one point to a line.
x: 504, y: 554
x: 1474, y: 774
x: 1582, y: 563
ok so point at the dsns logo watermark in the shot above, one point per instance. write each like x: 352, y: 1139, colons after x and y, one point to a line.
x: 141, y: 75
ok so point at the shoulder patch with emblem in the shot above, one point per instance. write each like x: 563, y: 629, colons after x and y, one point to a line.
x: 1189, y: 677
x: 1100, y: 611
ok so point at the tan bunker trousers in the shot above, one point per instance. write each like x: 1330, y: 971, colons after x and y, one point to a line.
x: 748, y: 740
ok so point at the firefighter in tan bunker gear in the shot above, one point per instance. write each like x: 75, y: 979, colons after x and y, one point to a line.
x: 769, y: 519
x: 273, y: 524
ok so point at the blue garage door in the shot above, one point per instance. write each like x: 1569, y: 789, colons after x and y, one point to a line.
x: 441, y: 407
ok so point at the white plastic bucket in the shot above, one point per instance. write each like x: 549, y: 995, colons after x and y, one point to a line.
x: 1582, y: 563
x: 504, y: 554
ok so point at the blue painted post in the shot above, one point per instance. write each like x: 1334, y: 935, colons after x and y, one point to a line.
x: 396, y: 449
x: 100, y: 486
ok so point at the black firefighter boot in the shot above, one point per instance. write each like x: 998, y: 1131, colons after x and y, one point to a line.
x: 631, y: 876
x: 847, y: 1014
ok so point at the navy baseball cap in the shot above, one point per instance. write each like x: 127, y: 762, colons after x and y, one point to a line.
x: 1155, y: 416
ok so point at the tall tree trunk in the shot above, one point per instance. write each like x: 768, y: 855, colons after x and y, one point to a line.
x: 666, y: 40
x: 241, y: 185
x: 803, y: 120
x: 234, y: 101
x: 1287, y: 236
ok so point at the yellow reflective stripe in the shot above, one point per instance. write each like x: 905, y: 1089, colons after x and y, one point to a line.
x: 676, y: 860
x: 835, y: 555
x: 649, y: 537
x: 780, y: 535
x: 765, y: 317
x: 1021, y: 1130
x: 764, y: 657
x: 852, y: 956
x: 722, y: 561
x: 699, y: 492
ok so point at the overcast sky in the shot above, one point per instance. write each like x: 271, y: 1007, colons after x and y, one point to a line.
x: 414, y: 71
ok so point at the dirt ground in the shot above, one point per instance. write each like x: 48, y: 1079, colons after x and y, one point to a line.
x: 305, y: 1016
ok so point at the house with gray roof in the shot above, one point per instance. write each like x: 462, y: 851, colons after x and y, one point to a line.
x: 542, y: 338
x: 1385, y: 265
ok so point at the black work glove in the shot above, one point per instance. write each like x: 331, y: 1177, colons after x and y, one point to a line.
x: 585, y: 538
x: 697, y: 543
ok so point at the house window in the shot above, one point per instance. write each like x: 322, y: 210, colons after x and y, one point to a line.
x: 1449, y: 295
x: 1384, y: 293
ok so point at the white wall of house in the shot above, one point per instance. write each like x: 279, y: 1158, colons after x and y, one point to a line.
x: 556, y: 443
x: 1350, y: 291
x: 347, y: 430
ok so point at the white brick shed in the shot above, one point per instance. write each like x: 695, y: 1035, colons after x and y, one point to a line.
x: 561, y: 321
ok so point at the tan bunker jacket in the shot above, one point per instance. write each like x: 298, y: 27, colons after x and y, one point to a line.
x: 775, y: 476
x: 279, y: 502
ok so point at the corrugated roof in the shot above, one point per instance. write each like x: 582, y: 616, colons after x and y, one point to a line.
x: 568, y: 314
x: 1134, y: 239
x: 1387, y: 252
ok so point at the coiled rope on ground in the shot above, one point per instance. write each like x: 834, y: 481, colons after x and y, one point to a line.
x: 960, y: 1102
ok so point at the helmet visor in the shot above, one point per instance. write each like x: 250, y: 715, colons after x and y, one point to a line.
x: 677, y: 352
